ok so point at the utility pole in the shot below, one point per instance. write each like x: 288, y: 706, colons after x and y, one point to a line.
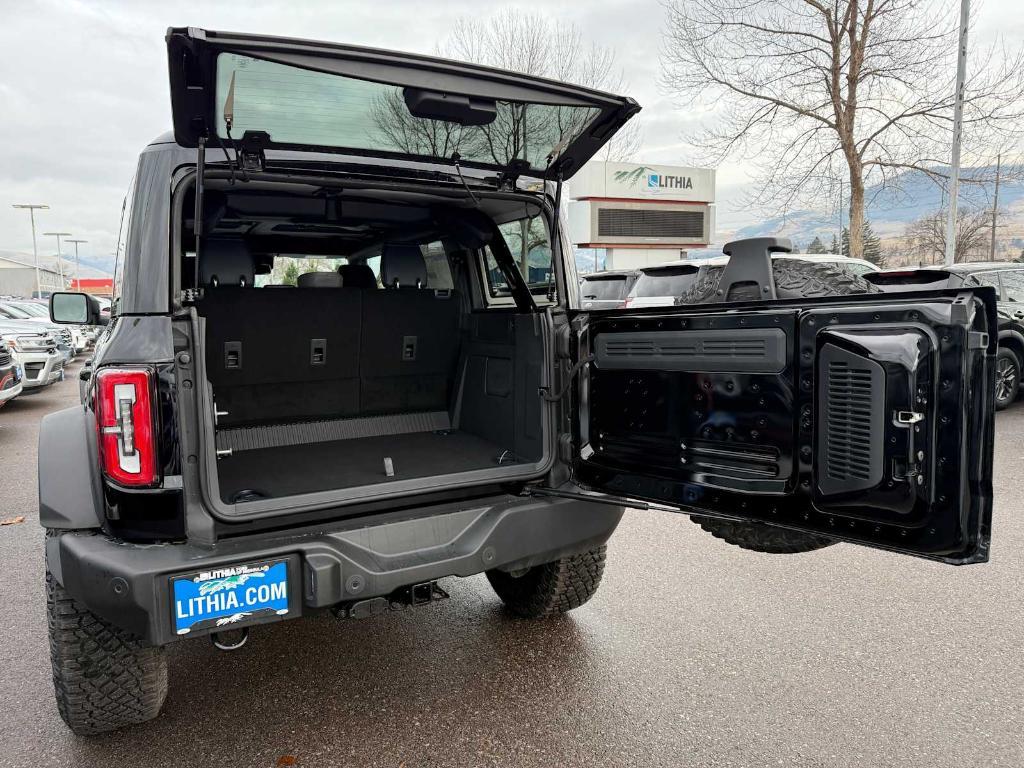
x: 78, y: 277
x: 35, y: 251
x: 60, y: 255
x: 958, y: 130
x: 995, y: 209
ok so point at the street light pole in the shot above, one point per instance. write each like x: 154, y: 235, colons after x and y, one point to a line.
x: 35, y: 251
x: 78, y: 277
x: 995, y: 208
x: 958, y: 129
x: 60, y: 255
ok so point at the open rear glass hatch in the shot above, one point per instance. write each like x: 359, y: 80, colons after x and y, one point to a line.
x: 862, y: 418
x: 297, y: 94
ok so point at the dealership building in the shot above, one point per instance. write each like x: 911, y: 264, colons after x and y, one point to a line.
x: 628, y: 215
x: 18, y: 275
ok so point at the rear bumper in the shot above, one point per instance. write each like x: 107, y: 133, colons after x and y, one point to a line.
x: 129, y: 585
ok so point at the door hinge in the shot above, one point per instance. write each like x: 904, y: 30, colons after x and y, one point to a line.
x: 190, y: 295
x: 977, y: 340
x: 252, y: 154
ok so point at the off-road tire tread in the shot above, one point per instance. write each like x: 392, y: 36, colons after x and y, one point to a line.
x: 103, y: 677
x: 552, y: 588
x: 793, y: 279
x: 762, y: 538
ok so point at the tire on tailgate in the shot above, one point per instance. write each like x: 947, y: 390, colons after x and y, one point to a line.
x: 793, y: 279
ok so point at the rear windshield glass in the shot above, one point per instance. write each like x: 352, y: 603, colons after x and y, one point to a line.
x: 299, y: 106
x: 665, y: 282
x: 604, y: 288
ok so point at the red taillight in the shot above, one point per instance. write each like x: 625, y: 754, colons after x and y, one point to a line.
x: 126, y: 432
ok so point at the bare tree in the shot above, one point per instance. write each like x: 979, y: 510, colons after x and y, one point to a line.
x: 927, y: 235
x: 434, y: 138
x: 536, y: 44
x: 815, y: 91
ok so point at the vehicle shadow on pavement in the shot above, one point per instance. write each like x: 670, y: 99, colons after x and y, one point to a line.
x: 462, y: 672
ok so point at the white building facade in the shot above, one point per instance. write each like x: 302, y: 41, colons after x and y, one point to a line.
x: 18, y: 275
x: 628, y: 215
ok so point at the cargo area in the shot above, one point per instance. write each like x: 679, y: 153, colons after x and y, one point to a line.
x: 406, y: 361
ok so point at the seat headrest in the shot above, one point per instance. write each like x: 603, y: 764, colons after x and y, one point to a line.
x: 320, y: 280
x: 403, y: 266
x: 225, y: 261
x: 357, y: 276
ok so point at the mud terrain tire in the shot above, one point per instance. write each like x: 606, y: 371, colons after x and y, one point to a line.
x: 103, y: 677
x: 793, y: 279
x: 552, y: 588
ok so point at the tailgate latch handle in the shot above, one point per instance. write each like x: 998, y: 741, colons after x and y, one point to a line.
x: 908, y: 417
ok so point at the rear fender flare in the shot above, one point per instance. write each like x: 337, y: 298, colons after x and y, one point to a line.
x: 69, y: 492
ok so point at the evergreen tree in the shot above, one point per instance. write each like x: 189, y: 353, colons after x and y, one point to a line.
x: 291, y: 274
x: 816, y: 246
x: 835, y: 245
x: 872, y: 245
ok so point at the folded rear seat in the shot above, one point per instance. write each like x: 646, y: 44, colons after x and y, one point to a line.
x: 410, y: 338
x: 313, y: 353
x: 276, y: 356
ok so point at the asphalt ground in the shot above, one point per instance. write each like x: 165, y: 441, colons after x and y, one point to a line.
x: 692, y: 653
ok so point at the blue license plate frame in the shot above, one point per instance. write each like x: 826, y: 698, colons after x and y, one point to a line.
x: 231, y: 596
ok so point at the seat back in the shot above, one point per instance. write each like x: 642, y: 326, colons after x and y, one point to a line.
x: 283, y: 355
x: 357, y: 276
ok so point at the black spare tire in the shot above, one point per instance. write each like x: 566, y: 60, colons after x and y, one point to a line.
x: 794, y: 278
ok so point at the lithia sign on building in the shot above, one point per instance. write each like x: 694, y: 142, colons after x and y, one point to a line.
x: 633, y: 181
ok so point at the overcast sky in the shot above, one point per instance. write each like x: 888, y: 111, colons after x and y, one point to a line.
x: 83, y: 87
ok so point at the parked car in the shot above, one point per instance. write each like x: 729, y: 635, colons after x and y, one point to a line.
x: 607, y: 290
x: 10, y: 375
x: 64, y: 336
x: 662, y: 285
x: 80, y: 335
x: 35, y: 351
x: 245, y: 455
x: 1008, y: 281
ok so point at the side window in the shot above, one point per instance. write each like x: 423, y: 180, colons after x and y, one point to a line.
x: 528, y: 241
x: 122, y: 236
x: 1013, y: 283
x: 439, y: 271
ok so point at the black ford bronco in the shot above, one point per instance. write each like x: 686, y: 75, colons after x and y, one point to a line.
x: 254, y: 445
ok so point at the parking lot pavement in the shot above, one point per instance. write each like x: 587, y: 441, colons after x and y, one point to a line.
x: 692, y: 653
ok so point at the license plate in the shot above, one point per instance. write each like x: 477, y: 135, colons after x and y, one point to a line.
x: 229, y: 596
